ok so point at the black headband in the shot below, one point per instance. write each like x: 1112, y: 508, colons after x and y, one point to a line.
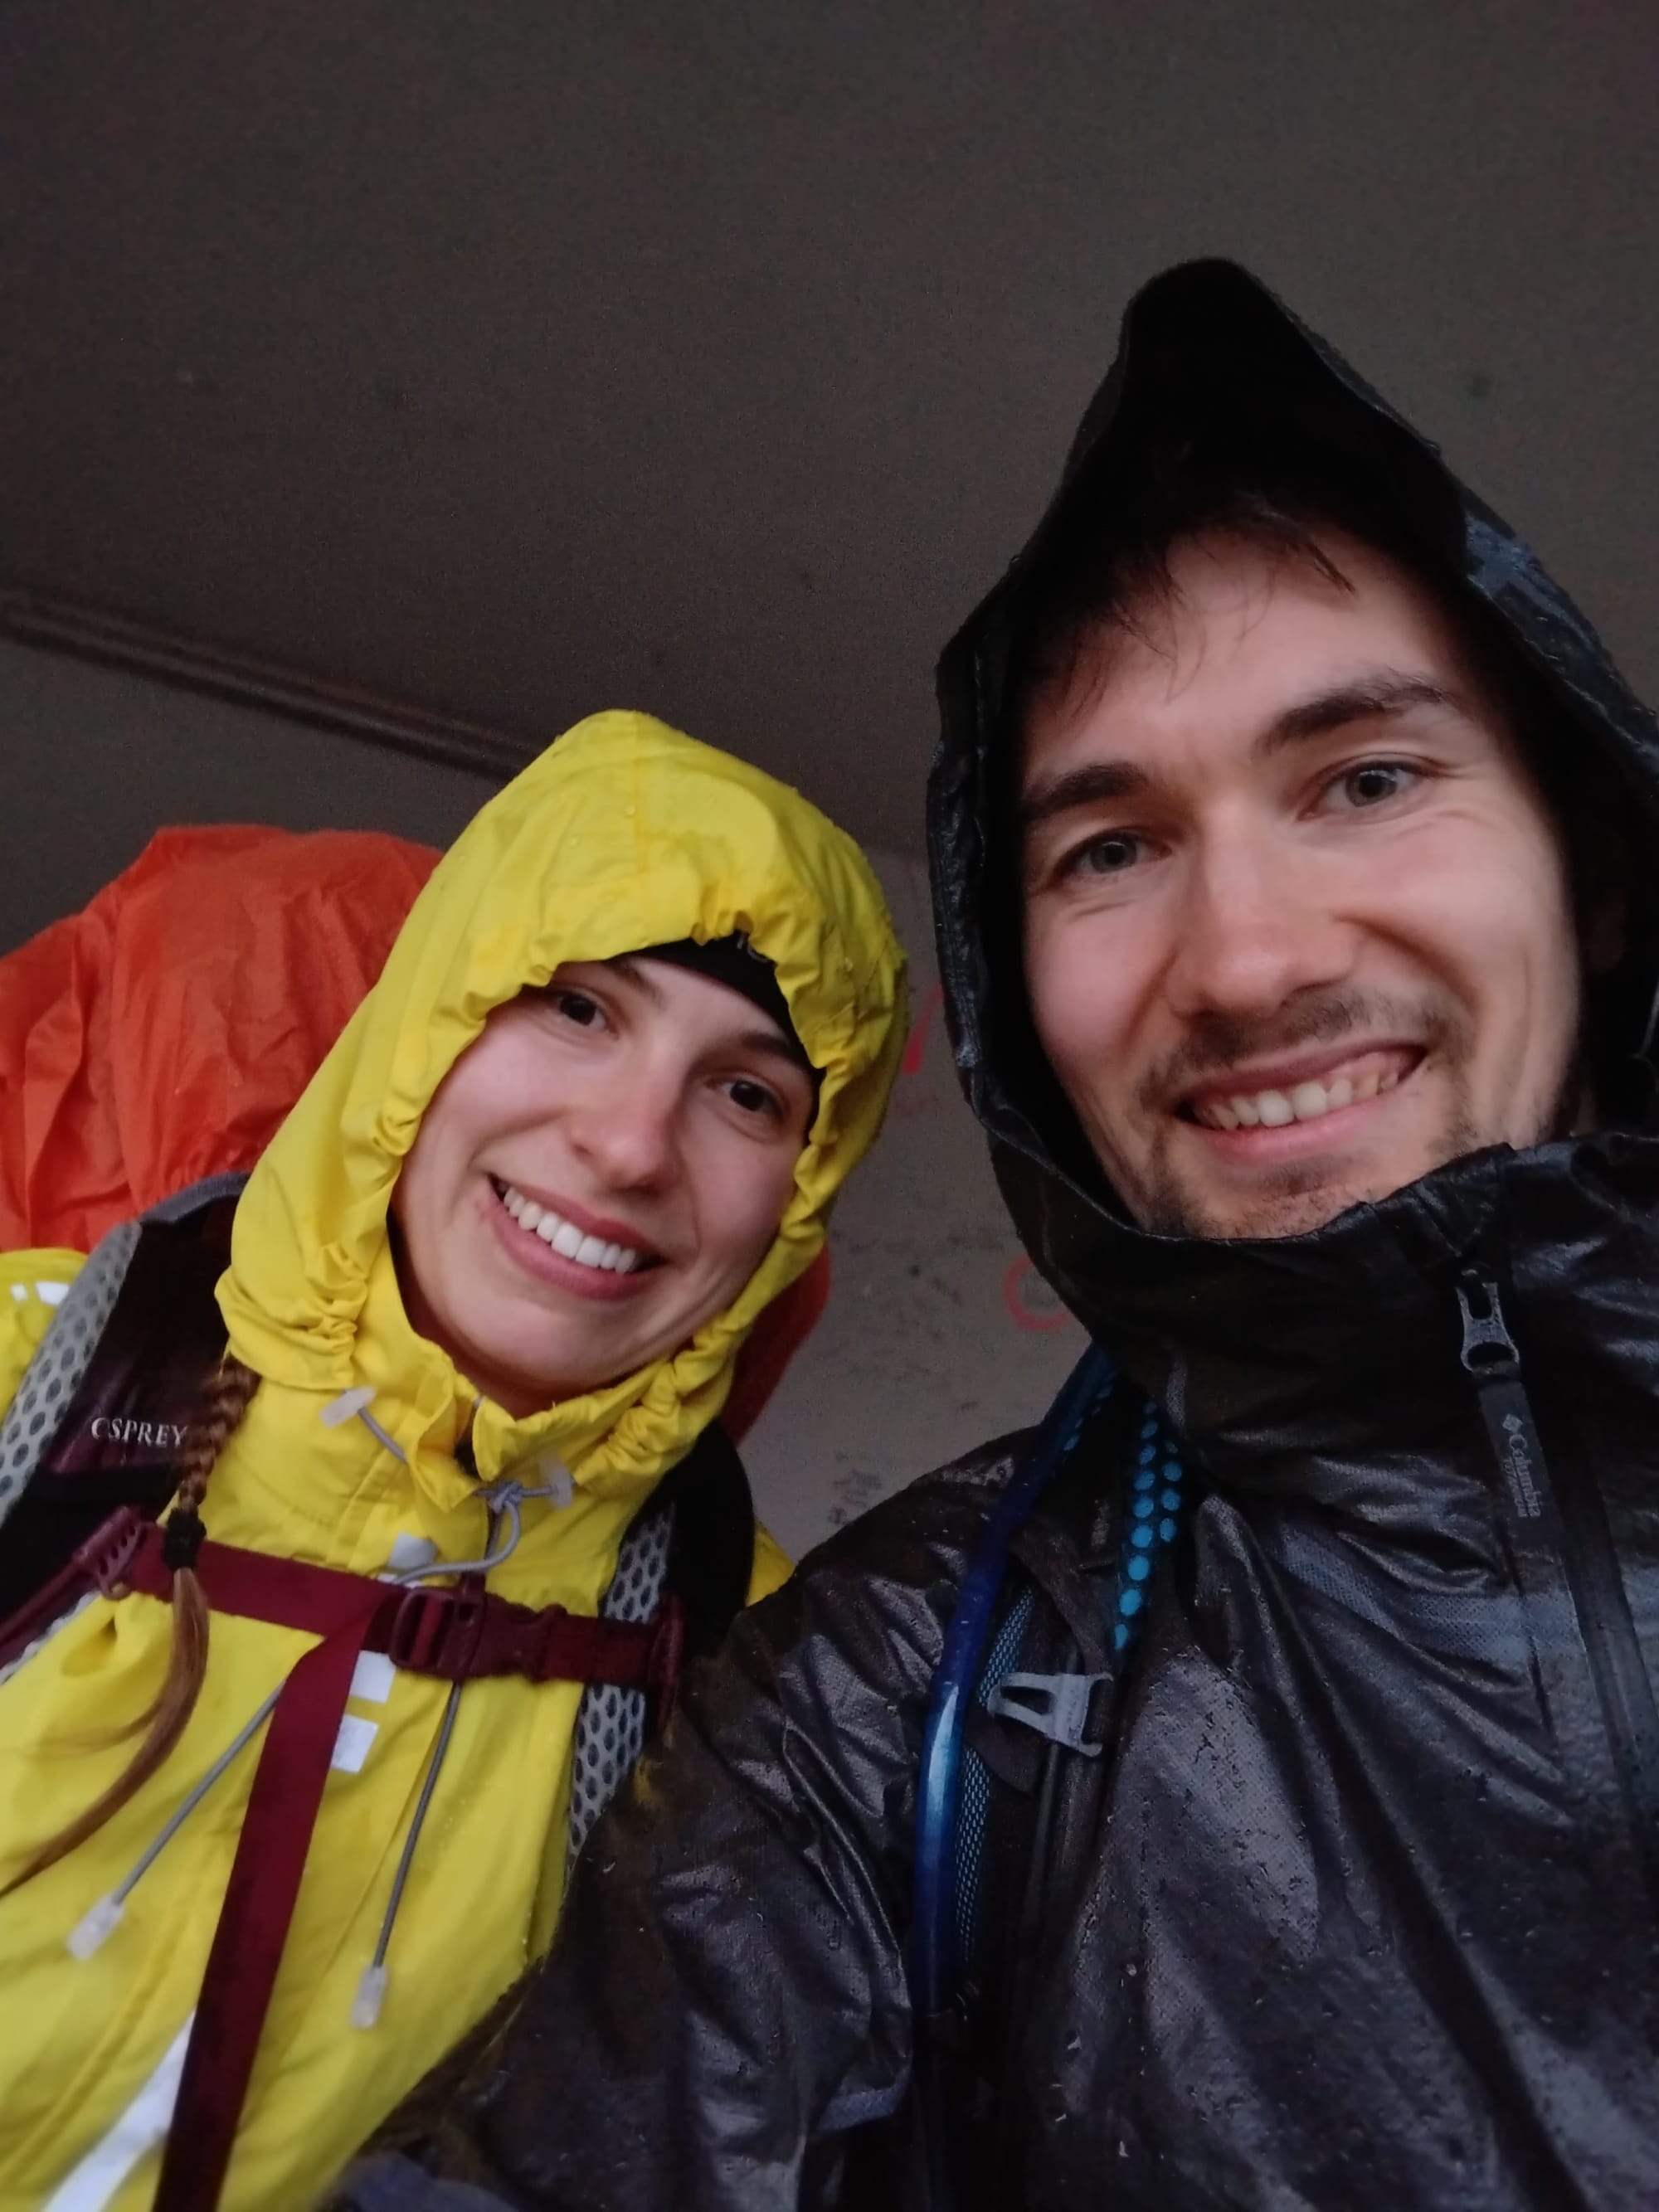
x: 735, y: 963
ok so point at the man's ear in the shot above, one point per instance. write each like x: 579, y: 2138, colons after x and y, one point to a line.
x: 1602, y: 867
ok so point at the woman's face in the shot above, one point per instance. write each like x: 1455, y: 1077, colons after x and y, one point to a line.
x: 599, y: 1175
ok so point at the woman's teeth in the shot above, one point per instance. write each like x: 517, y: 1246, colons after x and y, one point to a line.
x: 1302, y: 1102
x: 566, y: 1238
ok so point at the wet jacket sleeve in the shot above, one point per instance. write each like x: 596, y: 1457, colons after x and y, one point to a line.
x: 725, y: 2001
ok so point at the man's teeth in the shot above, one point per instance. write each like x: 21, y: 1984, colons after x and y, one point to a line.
x: 1303, y: 1102
x: 566, y: 1238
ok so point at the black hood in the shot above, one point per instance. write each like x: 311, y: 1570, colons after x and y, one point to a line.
x: 1205, y: 348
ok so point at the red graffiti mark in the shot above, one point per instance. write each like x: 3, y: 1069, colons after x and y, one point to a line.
x: 1013, y: 1297
x: 917, y: 1045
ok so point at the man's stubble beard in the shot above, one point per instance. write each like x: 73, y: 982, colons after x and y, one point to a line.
x: 1294, y: 1200
x: 1291, y: 1202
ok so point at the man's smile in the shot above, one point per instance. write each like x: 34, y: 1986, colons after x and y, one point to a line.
x: 1259, y: 1104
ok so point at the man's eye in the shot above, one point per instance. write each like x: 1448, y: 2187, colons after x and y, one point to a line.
x: 1374, y: 781
x: 1107, y: 855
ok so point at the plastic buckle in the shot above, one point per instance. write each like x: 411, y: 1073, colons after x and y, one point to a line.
x: 436, y: 1631
x: 523, y: 1640
x: 1055, y: 1705
x: 110, y: 1550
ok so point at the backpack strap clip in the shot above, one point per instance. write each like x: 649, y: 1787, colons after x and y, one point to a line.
x: 1055, y: 1705
x: 108, y: 1553
x: 438, y: 1631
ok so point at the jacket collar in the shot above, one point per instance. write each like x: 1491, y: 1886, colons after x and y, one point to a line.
x: 1329, y: 1367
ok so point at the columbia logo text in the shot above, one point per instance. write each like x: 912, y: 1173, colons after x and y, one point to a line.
x: 1518, y: 1465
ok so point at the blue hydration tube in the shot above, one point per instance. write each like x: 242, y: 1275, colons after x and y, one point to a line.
x: 934, y: 1963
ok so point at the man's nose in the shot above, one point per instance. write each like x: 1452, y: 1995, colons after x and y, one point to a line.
x: 1258, y: 923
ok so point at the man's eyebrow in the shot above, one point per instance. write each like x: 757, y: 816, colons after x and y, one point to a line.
x: 1079, y: 786
x: 1380, y: 696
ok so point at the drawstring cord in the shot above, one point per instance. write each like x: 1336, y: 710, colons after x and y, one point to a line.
x: 371, y: 1986
x: 504, y: 1502
x: 90, y: 1931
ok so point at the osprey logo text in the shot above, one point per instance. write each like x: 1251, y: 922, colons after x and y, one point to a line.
x: 120, y: 1429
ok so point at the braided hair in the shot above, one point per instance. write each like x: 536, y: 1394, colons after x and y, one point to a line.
x: 225, y: 1399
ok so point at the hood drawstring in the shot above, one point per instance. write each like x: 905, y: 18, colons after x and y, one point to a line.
x: 90, y: 1931
x: 370, y: 1994
x: 503, y: 1501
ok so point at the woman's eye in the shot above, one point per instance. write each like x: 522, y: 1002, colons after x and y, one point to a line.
x: 1374, y: 781
x: 576, y: 1007
x: 752, y: 1098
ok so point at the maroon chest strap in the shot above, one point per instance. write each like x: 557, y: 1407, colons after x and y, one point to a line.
x: 458, y: 1635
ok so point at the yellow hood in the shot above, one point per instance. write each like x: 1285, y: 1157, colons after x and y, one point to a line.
x: 623, y: 835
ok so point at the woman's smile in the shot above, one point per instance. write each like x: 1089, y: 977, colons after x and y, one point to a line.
x: 553, y: 1244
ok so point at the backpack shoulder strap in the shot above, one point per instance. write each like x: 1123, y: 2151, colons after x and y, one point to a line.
x: 101, y: 1412
x: 61, y: 1358
x: 1043, y: 1690
x: 1046, y: 1707
x: 692, y: 1544
x: 711, y: 1557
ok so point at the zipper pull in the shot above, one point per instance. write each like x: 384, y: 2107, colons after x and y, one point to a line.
x: 1488, y: 1347
x: 1489, y: 1355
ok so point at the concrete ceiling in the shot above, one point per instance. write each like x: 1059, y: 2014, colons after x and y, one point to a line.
x: 524, y: 356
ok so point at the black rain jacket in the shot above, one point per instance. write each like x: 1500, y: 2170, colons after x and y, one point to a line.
x: 1357, y: 1913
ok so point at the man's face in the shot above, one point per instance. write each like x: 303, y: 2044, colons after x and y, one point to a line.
x: 600, y: 1173
x: 1298, y: 926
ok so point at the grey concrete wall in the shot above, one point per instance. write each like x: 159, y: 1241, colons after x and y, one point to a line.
x: 937, y: 1334
x: 94, y: 761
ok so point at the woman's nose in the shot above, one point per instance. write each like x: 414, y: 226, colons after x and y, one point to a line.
x: 626, y: 1131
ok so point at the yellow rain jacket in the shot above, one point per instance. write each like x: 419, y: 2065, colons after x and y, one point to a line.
x: 622, y: 835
